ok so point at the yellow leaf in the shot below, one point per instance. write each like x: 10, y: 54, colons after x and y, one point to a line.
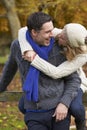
x: 1, y: 121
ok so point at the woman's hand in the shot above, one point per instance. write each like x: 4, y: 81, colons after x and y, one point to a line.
x: 29, y: 55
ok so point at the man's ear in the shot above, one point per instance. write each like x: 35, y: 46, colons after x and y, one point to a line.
x: 34, y: 32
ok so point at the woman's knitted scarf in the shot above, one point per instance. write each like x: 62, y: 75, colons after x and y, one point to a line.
x: 30, y: 86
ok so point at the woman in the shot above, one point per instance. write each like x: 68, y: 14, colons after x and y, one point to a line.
x: 72, y: 37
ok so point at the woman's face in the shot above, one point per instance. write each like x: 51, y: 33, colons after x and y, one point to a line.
x: 62, y: 39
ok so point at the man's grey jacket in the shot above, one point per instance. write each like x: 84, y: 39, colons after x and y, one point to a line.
x: 51, y: 91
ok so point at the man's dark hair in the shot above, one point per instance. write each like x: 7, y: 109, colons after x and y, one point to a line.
x: 36, y: 20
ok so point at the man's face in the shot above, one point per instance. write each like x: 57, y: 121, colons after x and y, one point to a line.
x: 43, y: 36
x: 62, y: 39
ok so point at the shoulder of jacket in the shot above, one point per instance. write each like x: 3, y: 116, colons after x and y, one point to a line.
x: 15, y: 44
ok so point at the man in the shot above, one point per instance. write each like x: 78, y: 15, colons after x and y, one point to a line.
x: 46, y: 100
x: 67, y: 38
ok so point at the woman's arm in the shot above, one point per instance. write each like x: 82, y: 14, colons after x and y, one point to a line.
x: 24, y: 44
x: 62, y: 70
x: 82, y: 76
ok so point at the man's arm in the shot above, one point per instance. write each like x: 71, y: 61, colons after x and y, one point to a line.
x: 9, y: 70
x: 71, y: 85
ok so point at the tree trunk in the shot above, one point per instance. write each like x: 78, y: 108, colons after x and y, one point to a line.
x: 14, y: 22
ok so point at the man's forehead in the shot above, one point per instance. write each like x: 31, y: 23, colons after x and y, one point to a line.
x: 48, y: 25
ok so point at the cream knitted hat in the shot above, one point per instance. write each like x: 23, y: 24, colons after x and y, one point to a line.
x: 76, y: 34
x: 56, y: 31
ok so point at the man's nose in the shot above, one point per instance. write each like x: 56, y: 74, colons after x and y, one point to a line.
x: 51, y: 34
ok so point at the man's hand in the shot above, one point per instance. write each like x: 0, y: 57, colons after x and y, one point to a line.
x: 29, y: 55
x: 60, y: 112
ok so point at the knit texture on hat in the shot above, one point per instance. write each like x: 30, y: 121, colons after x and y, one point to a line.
x: 76, y: 34
x: 56, y: 31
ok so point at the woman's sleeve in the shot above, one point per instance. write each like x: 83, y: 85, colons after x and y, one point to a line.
x: 24, y: 45
x: 83, y: 79
x: 66, y: 68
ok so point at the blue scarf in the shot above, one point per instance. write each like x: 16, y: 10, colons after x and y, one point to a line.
x: 31, y: 82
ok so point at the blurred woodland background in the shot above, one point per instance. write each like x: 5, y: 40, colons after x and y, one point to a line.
x: 13, y: 15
